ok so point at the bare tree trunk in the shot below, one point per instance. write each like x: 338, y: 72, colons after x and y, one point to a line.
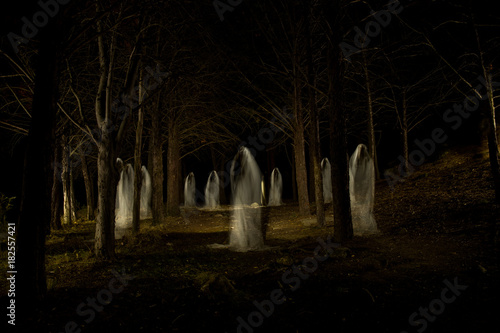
x: 492, y: 136
x: 110, y: 134
x: 310, y: 169
x: 173, y: 170
x: 406, y: 153
x: 338, y: 146
x: 34, y: 217
x: 89, y: 186
x: 157, y: 205
x: 72, y: 194
x: 301, y: 171
x: 107, y: 180
x: 136, y: 211
x: 314, y: 145
x: 294, y: 183
x: 490, y: 116
x: 66, y: 183
x: 55, y: 220
x: 317, y: 172
x: 404, y: 132
x: 299, y: 144
x: 371, y: 128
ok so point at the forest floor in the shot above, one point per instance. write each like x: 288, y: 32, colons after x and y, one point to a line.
x: 433, y: 267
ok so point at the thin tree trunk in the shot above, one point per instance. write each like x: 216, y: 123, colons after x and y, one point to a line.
x: 136, y: 211
x: 371, y: 128
x: 72, y: 194
x: 294, y: 183
x: 66, y: 183
x: 89, y: 186
x: 404, y: 132
x: 301, y: 171
x: 314, y: 132
x: 156, y: 150
x: 338, y: 146
x: 55, y: 220
x: 490, y: 117
x: 299, y: 145
x: 310, y: 169
x: 173, y: 168
x: 406, y: 152
x: 492, y: 137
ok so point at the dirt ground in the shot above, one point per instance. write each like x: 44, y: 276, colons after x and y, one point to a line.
x: 433, y: 267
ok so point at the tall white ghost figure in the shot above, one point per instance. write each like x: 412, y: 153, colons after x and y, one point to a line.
x: 326, y: 170
x: 146, y: 194
x: 246, y: 228
x: 212, y: 191
x: 362, y: 191
x: 276, y: 188
x: 124, y: 197
x: 189, y: 191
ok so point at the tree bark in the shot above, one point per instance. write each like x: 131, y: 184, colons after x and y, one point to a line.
x: 173, y: 169
x: 136, y: 211
x: 157, y: 205
x: 89, y: 186
x: 490, y: 115
x: 110, y: 134
x: 492, y: 136
x: 371, y: 128
x: 299, y: 144
x: 294, y: 183
x: 66, y: 183
x: 314, y: 145
x: 55, y: 220
x: 404, y: 131
x: 338, y: 145
x: 34, y: 217
x: 107, y: 180
x: 310, y: 169
x: 72, y: 194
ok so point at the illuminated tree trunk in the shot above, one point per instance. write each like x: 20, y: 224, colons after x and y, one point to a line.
x: 66, y: 184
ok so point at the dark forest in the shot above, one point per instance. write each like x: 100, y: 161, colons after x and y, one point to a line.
x: 249, y: 166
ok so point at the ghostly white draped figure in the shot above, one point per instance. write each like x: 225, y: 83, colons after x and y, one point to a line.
x: 146, y: 193
x: 276, y: 188
x: 124, y: 197
x: 189, y: 191
x: 212, y: 191
x: 326, y: 170
x: 246, y: 229
x: 362, y: 191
